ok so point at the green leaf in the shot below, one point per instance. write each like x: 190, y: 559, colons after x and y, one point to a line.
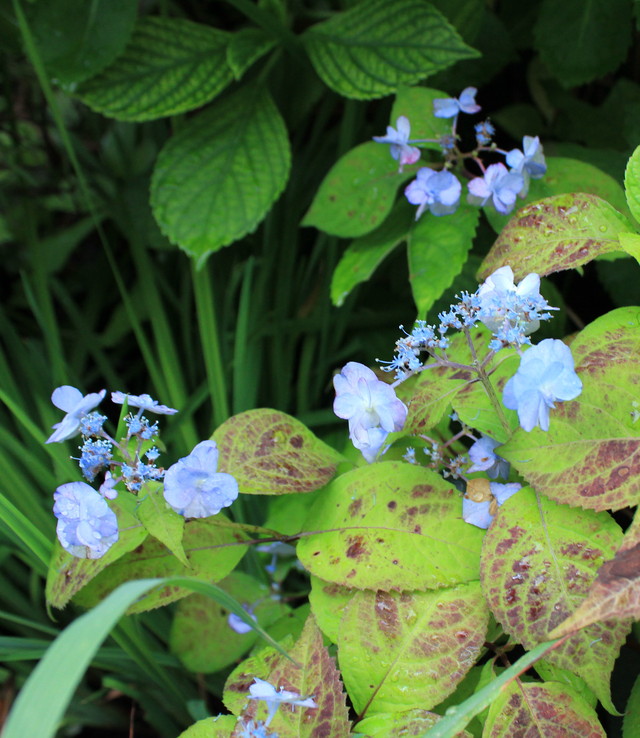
x: 559, y: 232
x: 365, y: 255
x: 416, y: 103
x: 271, y: 453
x: 580, y: 41
x: 426, y: 641
x: 328, y: 601
x: 591, y: 454
x: 538, y: 561
x: 358, y: 192
x: 632, y: 183
x: 77, y: 39
x: 630, y: 243
x: 201, y: 636
x: 564, y: 177
x: 161, y: 521
x: 437, y: 251
x: 390, y: 526
x: 217, y: 178
x: 375, y: 47
x: 213, y: 550
x: 68, y: 574
x: 631, y: 722
x: 542, y: 709
x: 220, y: 726
x: 247, y: 46
x: 315, y: 675
x: 170, y: 66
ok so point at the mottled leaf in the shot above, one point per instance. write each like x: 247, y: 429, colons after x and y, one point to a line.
x: 394, y: 724
x: 315, y: 675
x: 76, y: 38
x: 437, y: 251
x: 170, y: 66
x: 425, y: 641
x: 632, y: 183
x: 68, y: 574
x: 375, y: 47
x: 580, y: 41
x: 551, y: 710
x: 200, y: 634
x: 590, y: 456
x: 161, y: 521
x: 215, y: 180
x: 559, y: 232
x: 364, y: 255
x: 390, y: 526
x: 358, y: 192
x: 538, y: 562
x: 328, y: 601
x: 271, y: 453
x: 213, y: 550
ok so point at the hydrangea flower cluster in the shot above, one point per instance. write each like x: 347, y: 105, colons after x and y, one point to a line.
x: 263, y: 690
x: 87, y: 527
x: 438, y: 189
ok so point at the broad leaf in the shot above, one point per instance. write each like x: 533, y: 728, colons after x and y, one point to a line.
x: 416, y: 103
x: 559, y: 232
x: 632, y: 184
x: 375, y: 47
x: 271, y: 453
x: 201, y: 634
x: 426, y: 641
x: 315, y: 675
x: 213, y: 550
x: 220, y: 726
x: 68, y: 574
x: 549, y: 709
x: 582, y: 41
x: 247, y: 46
x: 590, y: 456
x: 161, y: 521
x: 538, y: 562
x: 328, y: 601
x: 364, y: 255
x: 77, y: 39
x: 358, y: 192
x: 631, y: 724
x: 394, y: 724
x: 390, y: 526
x: 437, y: 251
x: 217, y: 178
x: 170, y: 65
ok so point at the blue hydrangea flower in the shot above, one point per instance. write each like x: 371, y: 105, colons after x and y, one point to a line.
x: 87, y: 527
x: 481, y: 512
x: 438, y: 191
x: 484, y: 132
x: 106, y: 489
x: 256, y: 729
x: 447, y: 107
x: 194, y: 488
x: 482, y: 454
x: 399, y: 140
x: 235, y: 622
x: 143, y: 402
x: 545, y: 375
x: 530, y: 162
x: 370, y: 405
x: 262, y: 690
x: 499, y: 186
x: 76, y: 406
x: 95, y: 456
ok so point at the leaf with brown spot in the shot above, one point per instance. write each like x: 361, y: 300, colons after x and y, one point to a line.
x: 548, y: 710
x: 316, y: 677
x: 68, y: 574
x: 395, y: 724
x: 212, y: 727
x: 424, y: 641
x: 271, y: 453
x: 328, y: 601
x: 538, y: 562
x: 590, y: 456
x: 213, y: 549
x: 390, y: 526
x: 556, y: 233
